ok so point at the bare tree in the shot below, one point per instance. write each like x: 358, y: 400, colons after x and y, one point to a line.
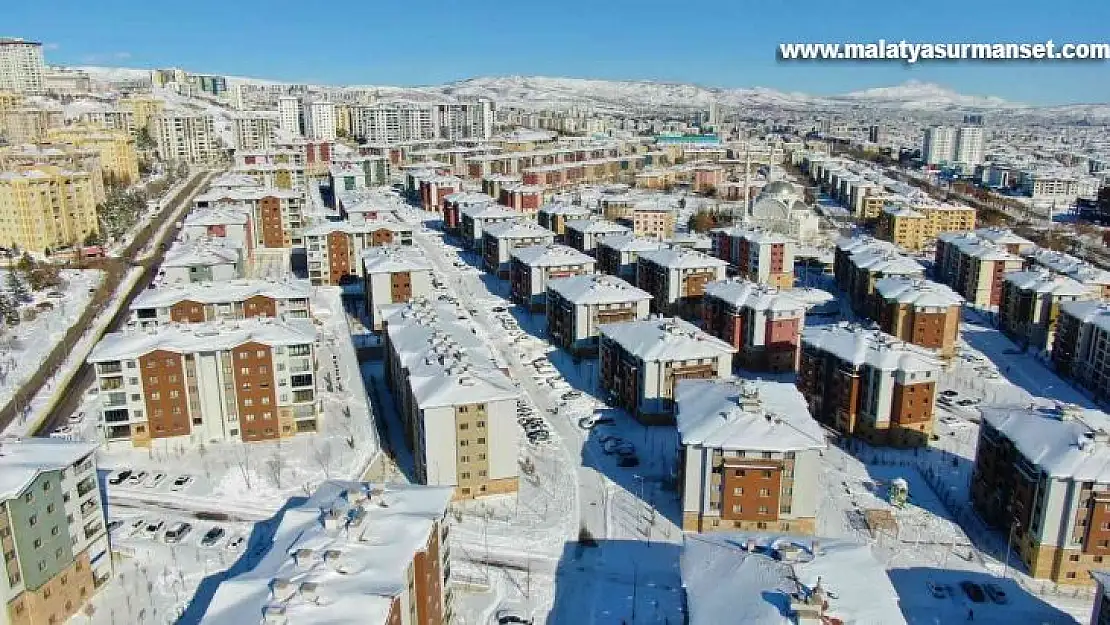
x: 321, y: 453
x: 276, y: 464
x: 243, y: 461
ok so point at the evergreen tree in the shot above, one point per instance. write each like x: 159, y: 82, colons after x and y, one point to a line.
x: 17, y: 289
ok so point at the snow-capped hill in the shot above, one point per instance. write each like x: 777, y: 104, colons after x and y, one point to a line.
x: 917, y: 94
x: 113, y: 74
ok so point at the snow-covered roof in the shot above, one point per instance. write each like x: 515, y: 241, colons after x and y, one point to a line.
x: 1094, y: 312
x: 1068, y: 265
x: 745, y: 415
x: 561, y: 208
x: 726, y: 582
x: 325, y: 228
x: 231, y: 180
x: 489, y: 210
x: 852, y: 245
x: 877, y: 260
x: 353, y: 572
x: 595, y: 226
x: 901, y: 210
x: 629, y: 243
x: 203, y: 252
x: 457, y: 380
x: 861, y: 346
x: 216, y: 216
x: 553, y: 255
x: 597, y: 289
x: 1002, y: 236
x: 681, y: 258
x: 220, y: 292
x: 1064, y: 441
x: 244, y: 194
x: 665, y: 339
x: 1047, y: 283
x: 199, y: 337
x: 517, y: 230
x: 23, y: 459
x: 741, y: 293
x: 469, y: 198
x: 918, y: 292
x: 393, y: 259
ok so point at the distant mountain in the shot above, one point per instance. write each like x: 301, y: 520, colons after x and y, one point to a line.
x: 545, y: 92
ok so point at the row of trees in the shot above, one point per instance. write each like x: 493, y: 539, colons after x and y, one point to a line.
x: 23, y: 277
x: 121, y: 210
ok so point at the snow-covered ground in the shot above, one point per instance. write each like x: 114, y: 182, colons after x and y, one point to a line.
x: 23, y: 347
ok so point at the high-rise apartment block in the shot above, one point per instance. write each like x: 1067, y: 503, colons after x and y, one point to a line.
x: 187, y: 138
x: 118, y: 160
x: 52, y: 530
x: 254, y: 131
x: 969, y: 146
x: 46, y: 207
x: 1081, y: 347
x: 939, y: 145
x: 869, y: 384
x: 290, y: 116
x: 245, y: 380
x: 319, y: 120
x: 750, y: 457
x: 21, y: 66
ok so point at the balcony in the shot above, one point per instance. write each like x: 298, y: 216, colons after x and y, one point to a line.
x: 86, y: 486
x: 93, y: 529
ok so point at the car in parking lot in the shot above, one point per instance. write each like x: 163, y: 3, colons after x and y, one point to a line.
x: 181, y: 482
x: 212, y: 536
x: 949, y: 393
x: 178, y: 531
x: 235, y: 544
x: 136, y: 478
x: 119, y: 477
x: 154, y: 527
x: 966, y: 402
x: 973, y: 591
x: 155, y: 480
x: 996, y: 594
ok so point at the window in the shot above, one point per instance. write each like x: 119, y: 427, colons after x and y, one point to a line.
x: 763, y: 509
x: 481, y: 441
x: 37, y: 544
x: 464, y: 426
x: 738, y: 491
x: 50, y: 508
x: 766, y: 475
x: 465, y: 475
x: 29, y: 497
x: 480, y: 424
x: 45, y: 486
x: 33, y: 520
x: 765, y: 492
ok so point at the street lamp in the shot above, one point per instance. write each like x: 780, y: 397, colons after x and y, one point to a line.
x: 1009, y: 540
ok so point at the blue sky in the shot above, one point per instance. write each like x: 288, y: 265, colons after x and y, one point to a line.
x: 727, y: 43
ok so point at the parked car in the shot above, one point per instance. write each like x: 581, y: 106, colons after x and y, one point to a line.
x: 949, y: 393
x: 509, y: 616
x: 181, y: 482
x: 119, y: 477
x: 155, y: 480
x: 966, y: 402
x: 995, y: 592
x: 235, y: 544
x: 136, y: 478
x: 212, y: 536
x: 628, y: 461
x: 973, y: 591
x: 178, y: 531
x: 154, y: 527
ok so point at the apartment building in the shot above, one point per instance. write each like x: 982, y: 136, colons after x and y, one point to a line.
x: 969, y: 146
x: 369, y: 204
x: 394, y: 275
x: 118, y: 160
x: 61, y: 155
x: 45, y: 207
x: 523, y: 198
x: 334, y: 248
x: 358, y: 173
x: 1031, y: 303
x: 499, y: 241
x: 187, y: 138
x: 762, y: 323
x: 277, y: 217
x: 475, y: 218
x: 144, y: 109
x: 584, y: 234
x: 109, y: 118
x: 254, y: 131
x: 869, y: 384
x: 319, y: 120
x: 974, y: 267
x: 457, y: 406
x: 758, y: 255
x: 1040, y: 478
x: 202, y: 260
x: 1051, y: 186
x: 642, y: 362
x: 215, y: 301
x: 515, y: 162
x: 860, y: 262
x: 456, y: 204
x: 916, y: 227
x: 21, y: 66
x: 52, y: 530
x: 578, y: 305
x: 283, y: 168
x: 244, y: 380
x: 29, y: 124
x: 328, y: 561
x: 939, y: 145
x: 219, y: 222
x: 919, y: 311
x: 676, y: 278
x: 1081, y: 348
x: 555, y: 215
x: 392, y: 122
x: 531, y: 268
x: 1098, y: 280
x: 290, y: 115
x: 651, y: 222
x: 618, y: 255
x: 750, y: 457
x: 433, y: 188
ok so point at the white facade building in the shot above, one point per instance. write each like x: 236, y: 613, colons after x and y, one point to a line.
x: 289, y: 115
x: 21, y: 66
x: 319, y: 120
x: 254, y: 131
x: 969, y: 146
x: 187, y: 137
x: 939, y: 145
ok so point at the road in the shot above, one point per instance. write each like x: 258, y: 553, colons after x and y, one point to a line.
x: 150, y: 260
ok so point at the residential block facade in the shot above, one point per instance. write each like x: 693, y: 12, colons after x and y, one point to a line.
x: 577, y: 306
x: 763, y: 323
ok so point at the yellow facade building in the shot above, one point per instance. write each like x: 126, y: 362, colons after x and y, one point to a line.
x: 916, y: 227
x: 118, y: 158
x: 45, y: 206
x: 60, y: 155
x: 143, y: 108
x: 9, y: 100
